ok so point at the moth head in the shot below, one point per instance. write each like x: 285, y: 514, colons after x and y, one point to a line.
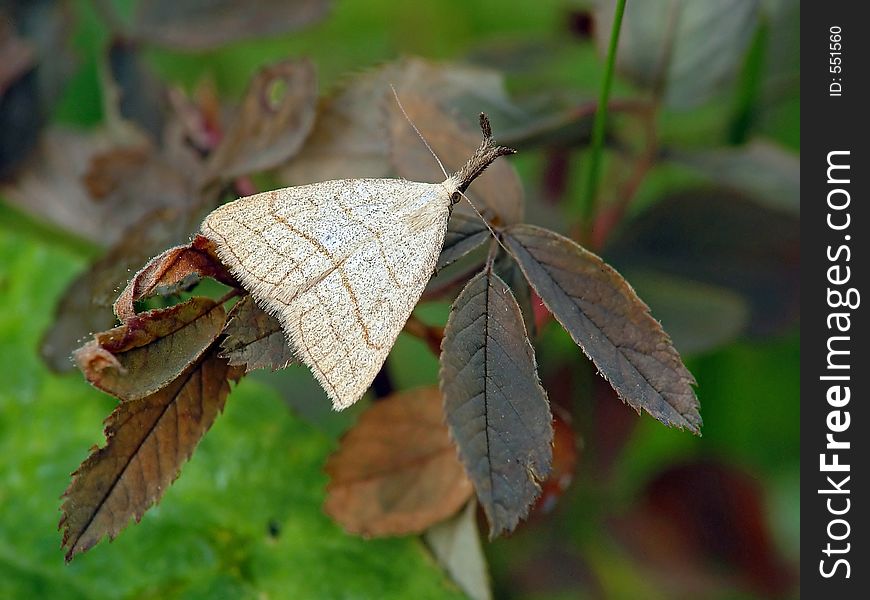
x: 484, y: 156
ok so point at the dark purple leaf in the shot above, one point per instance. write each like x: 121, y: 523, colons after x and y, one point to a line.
x: 494, y: 403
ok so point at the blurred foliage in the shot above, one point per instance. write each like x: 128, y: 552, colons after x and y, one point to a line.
x: 245, y: 520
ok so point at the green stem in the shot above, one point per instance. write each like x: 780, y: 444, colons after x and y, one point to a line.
x: 589, y: 199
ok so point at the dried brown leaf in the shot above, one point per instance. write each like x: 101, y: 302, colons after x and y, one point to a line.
x: 609, y: 322
x: 254, y: 338
x: 147, y: 441
x: 151, y: 349
x: 275, y: 116
x: 129, y: 182
x: 497, y: 193
x: 208, y: 24
x: 174, y: 268
x: 86, y: 305
x: 351, y: 134
x: 396, y: 472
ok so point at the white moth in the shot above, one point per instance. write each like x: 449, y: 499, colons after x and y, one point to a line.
x: 341, y: 264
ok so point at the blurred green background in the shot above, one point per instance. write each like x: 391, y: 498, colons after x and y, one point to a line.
x: 709, y: 241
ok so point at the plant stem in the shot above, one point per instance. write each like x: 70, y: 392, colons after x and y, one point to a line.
x: 588, y: 204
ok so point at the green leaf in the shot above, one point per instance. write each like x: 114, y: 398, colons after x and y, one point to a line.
x: 609, y: 322
x: 494, y: 403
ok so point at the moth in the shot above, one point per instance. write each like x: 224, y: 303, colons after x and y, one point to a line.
x: 341, y: 264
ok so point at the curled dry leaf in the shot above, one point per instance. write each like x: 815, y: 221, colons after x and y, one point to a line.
x: 396, y: 472
x: 173, y: 269
x: 208, y: 24
x: 496, y: 409
x: 604, y: 316
x: 151, y: 349
x: 147, y: 441
x: 275, y: 117
x: 254, y: 338
x: 86, y: 305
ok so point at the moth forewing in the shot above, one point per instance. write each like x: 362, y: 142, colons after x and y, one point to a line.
x: 341, y: 264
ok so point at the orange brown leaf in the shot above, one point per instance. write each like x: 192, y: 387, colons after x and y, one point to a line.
x: 396, y: 472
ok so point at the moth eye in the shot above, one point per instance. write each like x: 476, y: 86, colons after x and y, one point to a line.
x: 455, y: 197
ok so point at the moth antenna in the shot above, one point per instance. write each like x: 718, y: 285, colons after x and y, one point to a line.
x: 420, y: 135
x: 485, y: 222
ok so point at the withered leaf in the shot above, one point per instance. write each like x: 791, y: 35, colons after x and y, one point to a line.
x: 147, y: 441
x: 609, y: 322
x: 86, y: 305
x: 497, y: 192
x: 275, y: 116
x: 396, y: 472
x: 86, y: 184
x: 456, y: 545
x: 351, y: 134
x: 497, y: 411
x: 174, y: 268
x: 206, y: 24
x: 150, y: 350
x: 254, y: 338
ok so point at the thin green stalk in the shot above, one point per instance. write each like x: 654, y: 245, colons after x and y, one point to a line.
x: 588, y: 200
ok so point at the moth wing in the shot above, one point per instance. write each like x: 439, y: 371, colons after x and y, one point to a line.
x: 341, y: 264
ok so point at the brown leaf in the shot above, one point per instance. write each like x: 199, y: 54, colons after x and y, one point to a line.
x: 86, y: 305
x: 174, y: 268
x: 128, y: 183
x: 497, y: 192
x: 151, y: 349
x: 211, y: 23
x: 396, y: 472
x: 147, y: 441
x: 254, y: 338
x: 496, y: 409
x: 351, y: 134
x: 275, y: 116
x: 609, y: 322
